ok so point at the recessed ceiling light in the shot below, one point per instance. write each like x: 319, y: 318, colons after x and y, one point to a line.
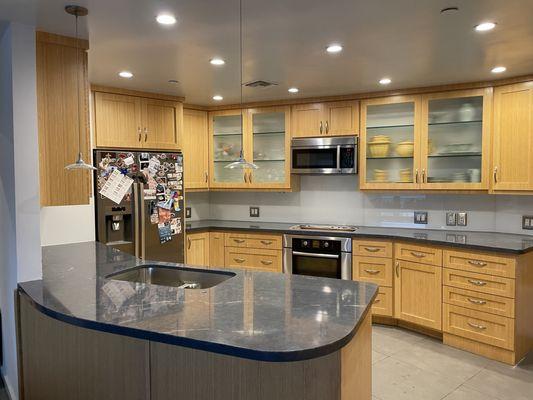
x: 293, y: 90
x: 334, y: 48
x: 125, y: 74
x: 498, y: 70
x: 217, y: 97
x: 217, y: 61
x: 166, y: 19
x: 485, y: 26
x: 385, y: 81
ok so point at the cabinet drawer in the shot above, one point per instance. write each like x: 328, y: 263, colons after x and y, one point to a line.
x: 479, y: 326
x: 372, y: 269
x: 268, y: 262
x: 372, y: 248
x: 253, y: 241
x: 383, y: 302
x: 479, y: 282
x: 420, y: 254
x: 238, y: 258
x: 479, y: 301
x: 480, y: 263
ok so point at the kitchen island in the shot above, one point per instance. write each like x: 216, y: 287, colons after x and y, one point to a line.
x: 255, y: 335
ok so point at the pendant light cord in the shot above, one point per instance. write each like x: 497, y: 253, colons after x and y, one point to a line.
x: 78, y: 86
x: 240, y: 77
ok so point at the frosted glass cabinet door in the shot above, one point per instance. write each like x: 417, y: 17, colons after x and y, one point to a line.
x: 390, y: 143
x: 455, y: 143
x: 226, y: 141
x: 270, y: 147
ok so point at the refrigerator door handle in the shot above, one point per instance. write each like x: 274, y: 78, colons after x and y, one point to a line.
x: 136, y: 218
x: 142, y: 219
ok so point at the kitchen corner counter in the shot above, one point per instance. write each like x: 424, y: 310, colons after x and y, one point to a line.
x: 254, y: 315
x: 484, y: 241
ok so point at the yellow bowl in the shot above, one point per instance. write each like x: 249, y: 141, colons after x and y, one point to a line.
x: 378, y: 149
x: 405, y: 149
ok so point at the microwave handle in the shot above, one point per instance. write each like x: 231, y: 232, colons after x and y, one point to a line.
x: 339, y: 158
x: 317, y: 255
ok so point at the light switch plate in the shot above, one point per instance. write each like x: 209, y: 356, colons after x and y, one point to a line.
x: 527, y: 222
x: 451, y: 218
x: 188, y: 212
x: 421, y: 217
x: 254, y: 212
x: 462, y: 218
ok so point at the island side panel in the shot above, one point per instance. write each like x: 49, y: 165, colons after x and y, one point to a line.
x: 356, y: 364
x: 201, y: 375
x: 65, y: 362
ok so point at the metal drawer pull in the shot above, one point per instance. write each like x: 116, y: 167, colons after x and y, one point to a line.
x: 481, y: 327
x: 372, y: 271
x: 397, y: 269
x: 239, y: 240
x: 372, y: 249
x: 418, y: 254
x: 266, y: 262
x: 266, y: 242
x: 477, y: 263
x: 377, y: 301
x: 476, y: 301
x: 477, y: 283
x: 239, y: 260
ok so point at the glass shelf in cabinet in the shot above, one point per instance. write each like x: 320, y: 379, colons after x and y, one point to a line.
x: 390, y: 126
x: 455, y: 122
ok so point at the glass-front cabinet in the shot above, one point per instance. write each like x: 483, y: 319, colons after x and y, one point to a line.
x: 437, y: 141
x: 390, y: 143
x: 455, y: 140
x: 265, y: 141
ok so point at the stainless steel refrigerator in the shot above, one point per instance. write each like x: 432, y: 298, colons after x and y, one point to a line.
x: 147, y: 219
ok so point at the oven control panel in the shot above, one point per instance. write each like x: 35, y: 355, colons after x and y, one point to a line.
x: 316, y: 245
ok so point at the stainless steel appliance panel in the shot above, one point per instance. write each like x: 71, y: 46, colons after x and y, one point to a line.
x: 324, y: 155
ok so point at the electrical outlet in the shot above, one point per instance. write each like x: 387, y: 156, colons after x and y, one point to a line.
x: 462, y: 218
x: 188, y: 212
x: 451, y: 218
x: 421, y: 217
x: 527, y: 222
x: 254, y: 212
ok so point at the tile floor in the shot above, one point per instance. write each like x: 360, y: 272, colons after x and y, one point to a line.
x: 409, y: 366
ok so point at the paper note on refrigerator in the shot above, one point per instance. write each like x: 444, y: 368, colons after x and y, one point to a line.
x: 117, y: 186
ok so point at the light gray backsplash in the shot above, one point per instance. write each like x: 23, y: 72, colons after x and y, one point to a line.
x: 338, y: 200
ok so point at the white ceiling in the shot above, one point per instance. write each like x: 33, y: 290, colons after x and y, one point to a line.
x: 284, y: 41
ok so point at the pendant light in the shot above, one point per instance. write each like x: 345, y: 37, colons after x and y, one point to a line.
x: 78, y: 11
x: 241, y: 163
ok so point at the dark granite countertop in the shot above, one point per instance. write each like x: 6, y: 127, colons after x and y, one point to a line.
x: 256, y: 315
x: 487, y: 241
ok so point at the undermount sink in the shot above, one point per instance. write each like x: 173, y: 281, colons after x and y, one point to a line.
x: 171, y: 276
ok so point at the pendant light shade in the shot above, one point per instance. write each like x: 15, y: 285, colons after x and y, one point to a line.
x: 78, y: 11
x: 241, y: 163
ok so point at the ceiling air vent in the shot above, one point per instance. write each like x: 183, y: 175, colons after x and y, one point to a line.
x: 259, y: 84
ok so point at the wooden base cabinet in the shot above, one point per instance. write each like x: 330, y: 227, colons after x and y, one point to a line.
x: 197, y: 249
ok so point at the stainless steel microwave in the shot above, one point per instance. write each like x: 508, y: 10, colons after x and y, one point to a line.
x: 324, y: 155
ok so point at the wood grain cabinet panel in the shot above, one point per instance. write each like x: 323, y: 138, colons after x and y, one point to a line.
x: 256, y: 241
x: 341, y: 118
x: 372, y: 248
x: 195, y: 147
x: 479, y: 282
x: 197, y: 249
x: 162, y: 124
x: 216, y: 249
x: 480, y: 263
x: 307, y: 120
x: 512, y: 150
x: 479, y: 301
x: 420, y: 254
x: 481, y: 327
x: 418, y: 294
x: 372, y: 269
x: 383, y: 304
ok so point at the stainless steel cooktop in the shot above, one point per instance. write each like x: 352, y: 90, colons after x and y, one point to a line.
x: 325, y: 228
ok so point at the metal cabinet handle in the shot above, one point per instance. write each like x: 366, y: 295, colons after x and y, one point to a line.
x: 476, y: 282
x: 321, y: 127
x: 250, y: 177
x: 139, y: 132
x: 206, y: 177
x: 477, y: 263
x: 495, y: 174
x: 266, y: 262
x: 188, y: 243
x: 397, y: 269
x: 266, y: 242
x: 476, y: 301
x: 239, y: 240
x: 377, y: 301
x: 424, y: 175
x: 372, y: 249
x: 416, y: 175
x: 372, y: 271
x: 418, y: 254
x: 239, y: 260
x: 477, y: 326
x: 145, y: 134
x: 327, y: 127
x: 245, y: 177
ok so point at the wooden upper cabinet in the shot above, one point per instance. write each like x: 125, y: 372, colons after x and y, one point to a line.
x: 330, y: 118
x: 162, y: 124
x: 512, y: 152
x: 117, y: 120
x: 195, y: 146
x: 122, y: 120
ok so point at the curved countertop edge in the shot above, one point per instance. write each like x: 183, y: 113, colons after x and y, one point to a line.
x: 256, y: 355
x: 257, y: 228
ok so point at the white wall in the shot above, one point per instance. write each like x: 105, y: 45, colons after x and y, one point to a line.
x: 337, y: 199
x: 20, y: 251
x: 67, y: 224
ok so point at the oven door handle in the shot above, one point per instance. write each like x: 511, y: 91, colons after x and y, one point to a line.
x: 317, y: 255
